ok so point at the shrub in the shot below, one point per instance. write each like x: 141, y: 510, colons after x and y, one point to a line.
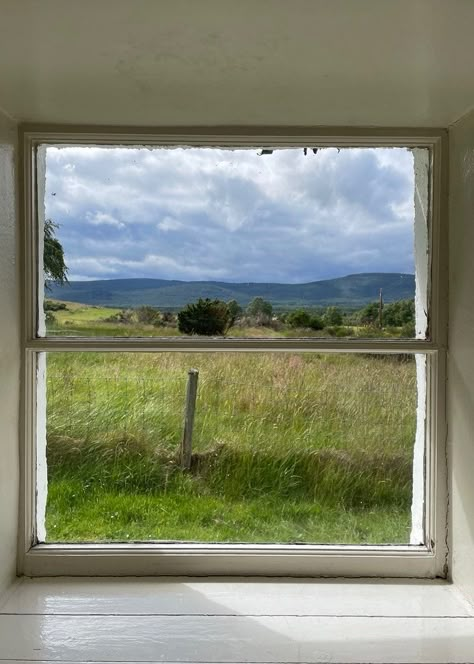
x: 259, y: 306
x: 207, y: 317
x: 340, y: 331
x: 333, y: 317
x: 316, y: 323
x: 298, y: 318
x: 124, y: 316
x: 168, y: 318
x: 398, y: 314
x: 235, y: 310
x: 148, y: 315
x: 408, y: 330
x: 370, y: 314
x: 49, y: 305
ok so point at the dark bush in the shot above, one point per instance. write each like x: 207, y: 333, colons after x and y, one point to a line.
x: 316, y: 323
x: 49, y: 305
x: 298, y: 318
x: 208, y: 317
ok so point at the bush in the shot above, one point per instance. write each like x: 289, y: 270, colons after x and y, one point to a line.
x: 260, y: 311
x: 333, y: 317
x: 370, y: 314
x: 148, y: 315
x: 208, y: 317
x: 168, y: 318
x: 340, y: 331
x: 398, y: 314
x: 49, y: 305
x: 316, y: 323
x: 298, y: 318
x: 408, y: 330
x: 235, y: 310
x: 124, y: 316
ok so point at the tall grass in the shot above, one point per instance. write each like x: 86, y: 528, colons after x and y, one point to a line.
x: 287, y: 447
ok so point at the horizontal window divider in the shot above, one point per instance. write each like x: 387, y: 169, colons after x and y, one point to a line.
x: 186, y: 548
x: 156, y: 344
x: 138, y: 559
x: 233, y: 136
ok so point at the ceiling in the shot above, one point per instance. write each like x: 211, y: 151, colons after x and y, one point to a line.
x: 237, y: 62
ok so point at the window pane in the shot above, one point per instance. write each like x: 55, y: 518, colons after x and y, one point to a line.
x: 289, y: 242
x: 286, y: 448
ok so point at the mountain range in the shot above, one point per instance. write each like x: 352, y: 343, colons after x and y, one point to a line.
x: 353, y: 291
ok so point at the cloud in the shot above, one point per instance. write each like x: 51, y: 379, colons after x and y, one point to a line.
x: 102, y: 218
x: 169, y: 224
x: 227, y: 215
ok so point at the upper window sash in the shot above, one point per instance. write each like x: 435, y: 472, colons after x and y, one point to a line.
x: 431, y: 272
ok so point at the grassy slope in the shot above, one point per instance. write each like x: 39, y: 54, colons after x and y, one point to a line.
x: 287, y: 447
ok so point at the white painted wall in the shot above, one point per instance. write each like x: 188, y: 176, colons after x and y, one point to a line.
x: 9, y: 353
x: 461, y: 352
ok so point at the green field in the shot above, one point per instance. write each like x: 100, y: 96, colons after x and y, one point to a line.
x: 287, y: 447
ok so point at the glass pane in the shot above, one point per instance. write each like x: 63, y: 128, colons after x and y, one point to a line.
x: 285, y: 448
x: 243, y: 243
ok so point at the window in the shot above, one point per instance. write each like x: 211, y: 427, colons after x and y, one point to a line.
x: 65, y: 349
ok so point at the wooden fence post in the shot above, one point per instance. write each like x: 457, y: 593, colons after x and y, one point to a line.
x: 190, y: 407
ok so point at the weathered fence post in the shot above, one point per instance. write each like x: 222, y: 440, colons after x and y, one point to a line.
x: 190, y: 406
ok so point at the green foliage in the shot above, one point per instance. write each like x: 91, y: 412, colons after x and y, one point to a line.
x: 53, y: 255
x: 49, y: 305
x: 332, y: 316
x: 340, y: 331
x: 302, y: 318
x: 148, y: 315
x: 298, y: 318
x: 370, y: 314
x: 260, y: 310
x: 408, y: 330
x: 207, y: 317
x: 398, y: 314
x: 235, y: 310
x: 316, y: 323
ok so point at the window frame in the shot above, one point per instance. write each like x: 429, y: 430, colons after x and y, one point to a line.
x: 429, y: 560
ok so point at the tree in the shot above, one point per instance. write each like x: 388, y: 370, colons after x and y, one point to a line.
x: 209, y: 317
x: 299, y: 318
x: 259, y: 307
x: 235, y: 310
x: 333, y: 316
x: 400, y: 313
x: 54, y: 267
x: 370, y: 314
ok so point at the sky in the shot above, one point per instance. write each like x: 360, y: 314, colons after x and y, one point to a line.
x: 231, y: 215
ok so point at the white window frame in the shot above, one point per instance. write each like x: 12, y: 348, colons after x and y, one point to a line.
x: 429, y: 560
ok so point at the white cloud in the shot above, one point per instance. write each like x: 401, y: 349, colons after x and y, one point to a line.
x: 231, y: 215
x: 169, y: 224
x: 102, y: 218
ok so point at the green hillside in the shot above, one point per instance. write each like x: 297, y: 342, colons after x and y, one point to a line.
x: 351, y: 291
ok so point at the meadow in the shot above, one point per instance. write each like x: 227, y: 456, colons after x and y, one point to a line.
x: 287, y: 447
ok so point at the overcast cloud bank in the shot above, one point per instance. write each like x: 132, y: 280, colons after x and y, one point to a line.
x: 209, y: 214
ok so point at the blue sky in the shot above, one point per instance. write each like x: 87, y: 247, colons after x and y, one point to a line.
x: 210, y: 214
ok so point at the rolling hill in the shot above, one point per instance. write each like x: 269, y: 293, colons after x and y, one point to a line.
x: 354, y: 290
